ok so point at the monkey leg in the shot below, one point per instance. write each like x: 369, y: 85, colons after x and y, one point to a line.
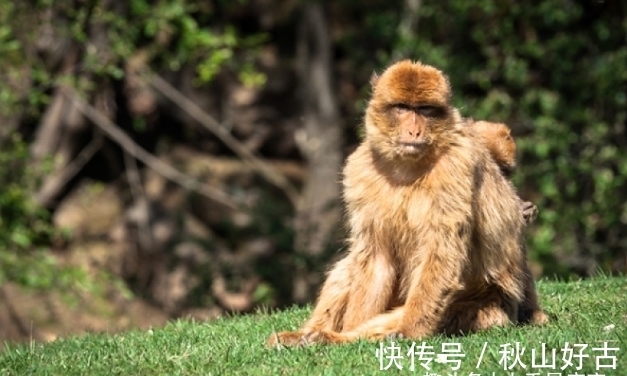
x: 497, y: 312
x: 433, y: 286
x: 529, y: 311
x: 329, y: 310
x: 357, y: 289
x: 372, y: 286
x: 377, y: 328
x: 478, y: 310
x: 328, y: 313
x: 460, y: 319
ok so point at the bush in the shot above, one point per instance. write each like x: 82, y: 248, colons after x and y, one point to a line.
x: 24, y: 226
x: 555, y: 72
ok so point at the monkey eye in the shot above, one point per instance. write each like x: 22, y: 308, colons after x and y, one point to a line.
x: 430, y: 111
x: 402, y: 108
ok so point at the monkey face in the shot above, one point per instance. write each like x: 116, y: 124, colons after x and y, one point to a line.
x: 414, y: 130
x: 409, y: 108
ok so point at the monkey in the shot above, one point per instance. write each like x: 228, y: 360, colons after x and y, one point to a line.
x: 435, y: 231
x: 502, y: 147
x: 500, y: 143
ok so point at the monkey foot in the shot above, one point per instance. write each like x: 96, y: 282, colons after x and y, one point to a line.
x: 394, y: 336
x: 534, y: 317
x: 538, y: 317
x: 314, y: 337
x: 296, y: 339
x: 284, y: 339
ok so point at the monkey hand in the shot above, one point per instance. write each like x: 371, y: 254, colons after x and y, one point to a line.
x: 529, y: 211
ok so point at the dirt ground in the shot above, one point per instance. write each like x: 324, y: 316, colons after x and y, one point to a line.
x: 35, y: 316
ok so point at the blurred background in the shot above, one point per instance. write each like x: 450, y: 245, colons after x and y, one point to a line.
x: 180, y: 159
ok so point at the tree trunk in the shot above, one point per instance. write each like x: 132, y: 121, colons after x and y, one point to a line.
x: 320, y: 141
x: 407, y: 29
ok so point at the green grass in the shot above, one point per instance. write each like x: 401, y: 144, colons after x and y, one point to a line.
x: 235, y: 345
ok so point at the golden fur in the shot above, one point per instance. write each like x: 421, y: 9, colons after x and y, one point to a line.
x: 436, y: 234
x: 502, y: 147
x: 499, y: 141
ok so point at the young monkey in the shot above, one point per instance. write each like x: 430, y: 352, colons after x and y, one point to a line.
x: 436, y: 239
x: 499, y: 141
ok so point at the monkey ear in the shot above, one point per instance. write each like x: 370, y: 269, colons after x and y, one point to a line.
x: 374, y: 78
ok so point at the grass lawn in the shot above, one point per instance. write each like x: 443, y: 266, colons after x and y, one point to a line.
x: 590, y: 327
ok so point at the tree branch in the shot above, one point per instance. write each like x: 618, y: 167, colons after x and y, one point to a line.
x: 162, y: 168
x: 55, y: 183
x: 137, y: 190
x: 211, y: 124
x: 407, y: 27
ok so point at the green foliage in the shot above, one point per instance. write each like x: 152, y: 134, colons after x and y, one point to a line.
x: 108, y: 37
x: 161, y: 35
x: 173, y: 33
x: 234, y: 346
x: 24, y: 225
x: 10, y: 58
x: 26, y: 232
x: 555, y: 72
x: 25, y: 228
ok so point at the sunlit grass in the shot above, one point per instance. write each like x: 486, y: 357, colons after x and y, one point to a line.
x: 590, y: 315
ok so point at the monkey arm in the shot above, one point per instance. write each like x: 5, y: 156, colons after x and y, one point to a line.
x: 349, y: 299
x: 433, y: 283
x: 371, y: 288
x: 358, y: 288
x: 328, y: 313
x: 332, y: 300
x: 436, y: 280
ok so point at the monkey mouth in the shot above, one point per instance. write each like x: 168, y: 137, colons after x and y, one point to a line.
x: 412, y: 147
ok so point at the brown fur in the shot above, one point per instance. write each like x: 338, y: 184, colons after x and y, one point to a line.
x: 498, y: 139
x: 500, y: 143
x: 435, y: 229
x: 502, y: 147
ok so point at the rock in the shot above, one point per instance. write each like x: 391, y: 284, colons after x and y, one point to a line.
x: 89, y: 211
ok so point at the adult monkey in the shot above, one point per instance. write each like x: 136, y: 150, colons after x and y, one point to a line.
x: 436, y: 232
